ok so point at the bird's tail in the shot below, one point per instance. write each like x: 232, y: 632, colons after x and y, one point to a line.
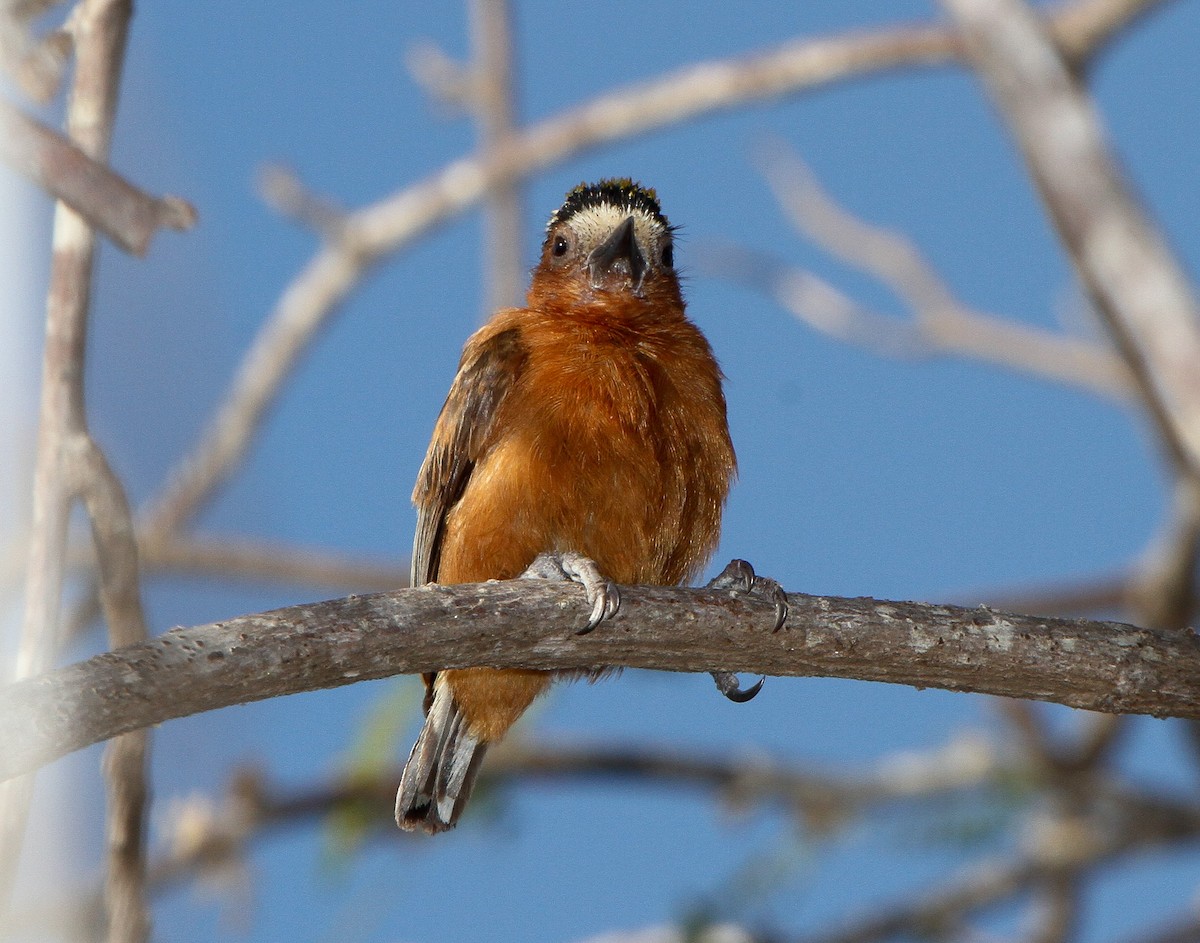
x: 440, y: 773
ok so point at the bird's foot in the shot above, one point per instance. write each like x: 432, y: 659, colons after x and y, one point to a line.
x: 728, y: 684
x: 602, y: 593
x: 739, y: 577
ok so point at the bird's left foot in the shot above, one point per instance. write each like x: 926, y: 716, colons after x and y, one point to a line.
x: 739, y: 577
x: 602, y: 593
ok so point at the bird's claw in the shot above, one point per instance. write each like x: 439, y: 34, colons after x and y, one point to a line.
x: 728, y: 684
x: 739, y: 577
x: 602, y: 593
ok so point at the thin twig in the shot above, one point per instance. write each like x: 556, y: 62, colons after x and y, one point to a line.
x: 101, y: 28
x: 815, y: 301
x: 933, y: 913
x: 447, y: 80
x: 284, y: 192
x: 125, y: 759
x: 239, y: 558
x: 227, y: 558
x: 942, y: 322
x: 266, y: 561
x: 494, y: 107
x: 1057, y: 907
x: 58, y: 418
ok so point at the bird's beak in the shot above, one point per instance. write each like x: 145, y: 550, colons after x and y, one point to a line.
x: 618, y: 257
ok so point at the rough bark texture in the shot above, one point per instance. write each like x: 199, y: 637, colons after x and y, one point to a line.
x: 1103, y: 666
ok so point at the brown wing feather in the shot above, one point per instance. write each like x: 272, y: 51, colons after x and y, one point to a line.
x: 489, y: 367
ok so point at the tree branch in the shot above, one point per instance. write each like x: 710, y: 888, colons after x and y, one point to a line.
x: 1129, y: 822
x: 109, y: 202
x: 37, y: 65
x: 940, y: 321
x: 494, y: 108
x: 125, y: 758
x: 244, y: 558
x: 1103, y: 666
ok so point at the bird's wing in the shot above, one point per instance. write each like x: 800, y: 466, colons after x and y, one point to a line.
x: 489, y: 367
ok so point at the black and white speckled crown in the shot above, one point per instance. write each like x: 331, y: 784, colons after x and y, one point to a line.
x: 619, y: 192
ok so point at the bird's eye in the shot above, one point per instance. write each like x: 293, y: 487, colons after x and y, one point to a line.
x: 560, y: 245
x: 668, y: 256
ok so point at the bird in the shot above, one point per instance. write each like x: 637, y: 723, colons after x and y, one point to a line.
x: 585, y: 437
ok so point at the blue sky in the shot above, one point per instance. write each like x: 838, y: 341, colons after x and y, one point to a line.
x: 934, y: 479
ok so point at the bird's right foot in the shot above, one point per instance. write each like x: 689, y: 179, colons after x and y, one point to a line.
x: 602, y: 593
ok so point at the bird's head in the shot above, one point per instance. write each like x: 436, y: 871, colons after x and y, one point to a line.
x: 609, y: 243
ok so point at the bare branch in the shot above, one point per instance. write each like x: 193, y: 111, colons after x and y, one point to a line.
x: 116, y: 548
x: 443, y: 77
x: 1083, y: 30
x: 125, y: 759
x: 60, y: 417
x: 494, y: 107
x: 1164, y: 591
x: 720, y: 932
x: 943, y: 323
x: 944, y: 908
x: 1132, y: 822
x: 814, y: 301
x: 823, y: 800
x: 245, y: 559
x: 125, y: 835
x: 121, y: 211
x: 1102, y: 666
x: 1134, y: 280
x: 285, y: 193
x: 101, y: 28
x: 1098, y: 594
x: 236, y: 558
x: 253, y: 803
x: 36, y: 65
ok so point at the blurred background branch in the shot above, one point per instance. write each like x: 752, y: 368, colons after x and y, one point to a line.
x: 70, y: 467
